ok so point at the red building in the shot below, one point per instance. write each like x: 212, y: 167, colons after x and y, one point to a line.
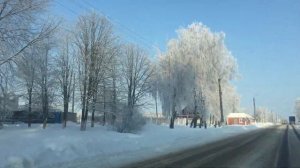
x: 239, y: 119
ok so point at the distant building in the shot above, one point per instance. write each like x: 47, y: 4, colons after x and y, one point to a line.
x: 152, y: 115
x: 8, y: 105
x: 297, y: 108
x: 239, y: 119
x: 54, y: 116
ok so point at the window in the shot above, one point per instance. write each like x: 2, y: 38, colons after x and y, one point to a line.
x: 240, y: 120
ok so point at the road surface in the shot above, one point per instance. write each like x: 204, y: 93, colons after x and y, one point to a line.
x: 277, y: 146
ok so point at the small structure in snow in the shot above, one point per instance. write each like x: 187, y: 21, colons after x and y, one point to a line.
x: 239, y: 119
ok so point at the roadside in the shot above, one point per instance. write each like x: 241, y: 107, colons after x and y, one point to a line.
x: 35, y: 147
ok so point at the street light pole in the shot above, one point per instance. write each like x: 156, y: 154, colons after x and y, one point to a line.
x: 254, y: 110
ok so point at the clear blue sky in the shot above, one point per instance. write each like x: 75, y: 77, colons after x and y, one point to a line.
x: 264, y: 36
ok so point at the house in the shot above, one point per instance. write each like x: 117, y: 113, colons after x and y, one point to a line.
x: 239, y: 119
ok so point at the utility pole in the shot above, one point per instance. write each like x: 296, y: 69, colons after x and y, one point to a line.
x: 221, y: 104
x: 169, y: 86
x: 73, y: 94
x: 272, y: 116
x: 254, y: 109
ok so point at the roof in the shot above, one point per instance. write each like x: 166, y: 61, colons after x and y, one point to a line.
x: 239, y: 115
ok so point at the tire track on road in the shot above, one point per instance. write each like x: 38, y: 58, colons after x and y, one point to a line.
x: 229, y: 152
x: 283, y: 159
x: 296, y: 132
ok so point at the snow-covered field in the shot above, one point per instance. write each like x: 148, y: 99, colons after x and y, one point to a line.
x: 99, y: 147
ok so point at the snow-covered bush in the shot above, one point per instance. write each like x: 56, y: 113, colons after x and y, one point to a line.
x: 129, y: 121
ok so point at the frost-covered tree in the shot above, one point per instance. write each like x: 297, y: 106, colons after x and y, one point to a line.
x: 190, y: 69
x: 231, y: 100
x: 263, y: 114
x: 154, y: 81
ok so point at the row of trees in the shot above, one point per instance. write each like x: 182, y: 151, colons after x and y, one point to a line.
x: 263, y: 114
x: 88, y: 64
x: 105, y: 66
x: 22, y: 26
x: 50, y: 66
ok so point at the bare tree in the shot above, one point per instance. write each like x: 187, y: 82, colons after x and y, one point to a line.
x: 26, y: 73
x: 6, y: 90
x: 95, y: 42
x: 66, y: 72
x: 44, y: 78
x: 136, y: 72
x: 20, y: 26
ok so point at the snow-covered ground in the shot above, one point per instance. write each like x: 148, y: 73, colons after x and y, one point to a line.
x: 34, y: 147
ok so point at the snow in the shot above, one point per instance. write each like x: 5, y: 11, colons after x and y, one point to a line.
x: 239, y: 115
x: 56, y: 147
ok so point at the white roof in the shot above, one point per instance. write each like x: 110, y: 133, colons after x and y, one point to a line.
x: 239, y: 115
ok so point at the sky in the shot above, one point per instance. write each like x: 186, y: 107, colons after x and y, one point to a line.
x: 263, y: 35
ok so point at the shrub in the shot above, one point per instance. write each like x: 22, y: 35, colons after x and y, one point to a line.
x: 129, y: 123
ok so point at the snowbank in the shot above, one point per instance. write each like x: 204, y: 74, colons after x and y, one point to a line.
x: 263, y: 125
x: 56, y: 147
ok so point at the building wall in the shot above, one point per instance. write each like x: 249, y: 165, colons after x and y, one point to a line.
x: 7, y: 105
x: 238, y: 121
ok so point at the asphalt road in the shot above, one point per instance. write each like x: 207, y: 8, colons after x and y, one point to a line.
x: 271, y: 147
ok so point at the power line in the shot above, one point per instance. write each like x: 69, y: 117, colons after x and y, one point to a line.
x: 71, y: 10
x: 125, y: 27
x: 137, y: 36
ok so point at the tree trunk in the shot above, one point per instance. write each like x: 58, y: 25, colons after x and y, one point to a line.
x: 221, y: 103
x: 192, y: 122
x: 82, y: 118
x: 45, y: 110
x: 86, y: 114
x: 114, y: 104
x: 104, y: 106
x: 45, y: 106
x: 93, y: 111
x: 201, y: 122
x: 173, y: 110
x: 172, y: 123
x: 187, y: 120
x: 66, y: 107
x: 156, y: 108
x: 84, y: 101
x: 83, y: 111
x: 93, y: 119
x: 195, y: 122
x: 29, y: 106
x: 73, y: 94
x: 45, y: 89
